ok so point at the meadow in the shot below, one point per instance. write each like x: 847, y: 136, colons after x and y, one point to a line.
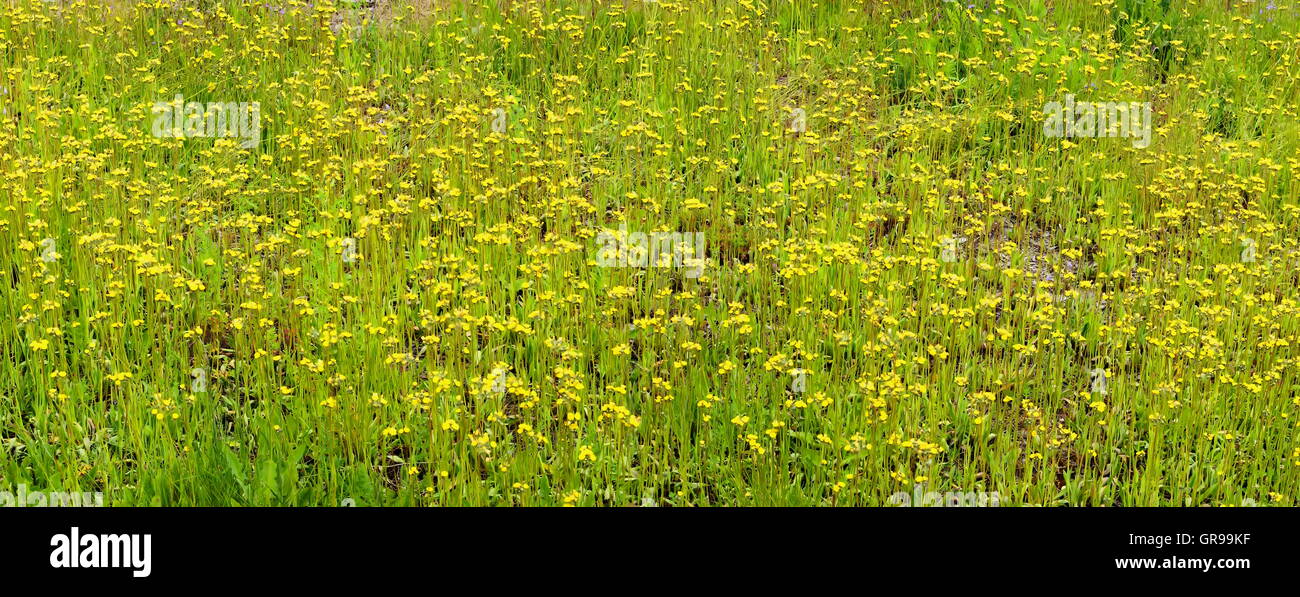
x: 649, y: 253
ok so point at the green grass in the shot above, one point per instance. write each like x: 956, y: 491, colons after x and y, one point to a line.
x: 372, y: 379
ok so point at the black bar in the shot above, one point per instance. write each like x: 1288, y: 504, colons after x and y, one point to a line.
x: 303, y: 547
